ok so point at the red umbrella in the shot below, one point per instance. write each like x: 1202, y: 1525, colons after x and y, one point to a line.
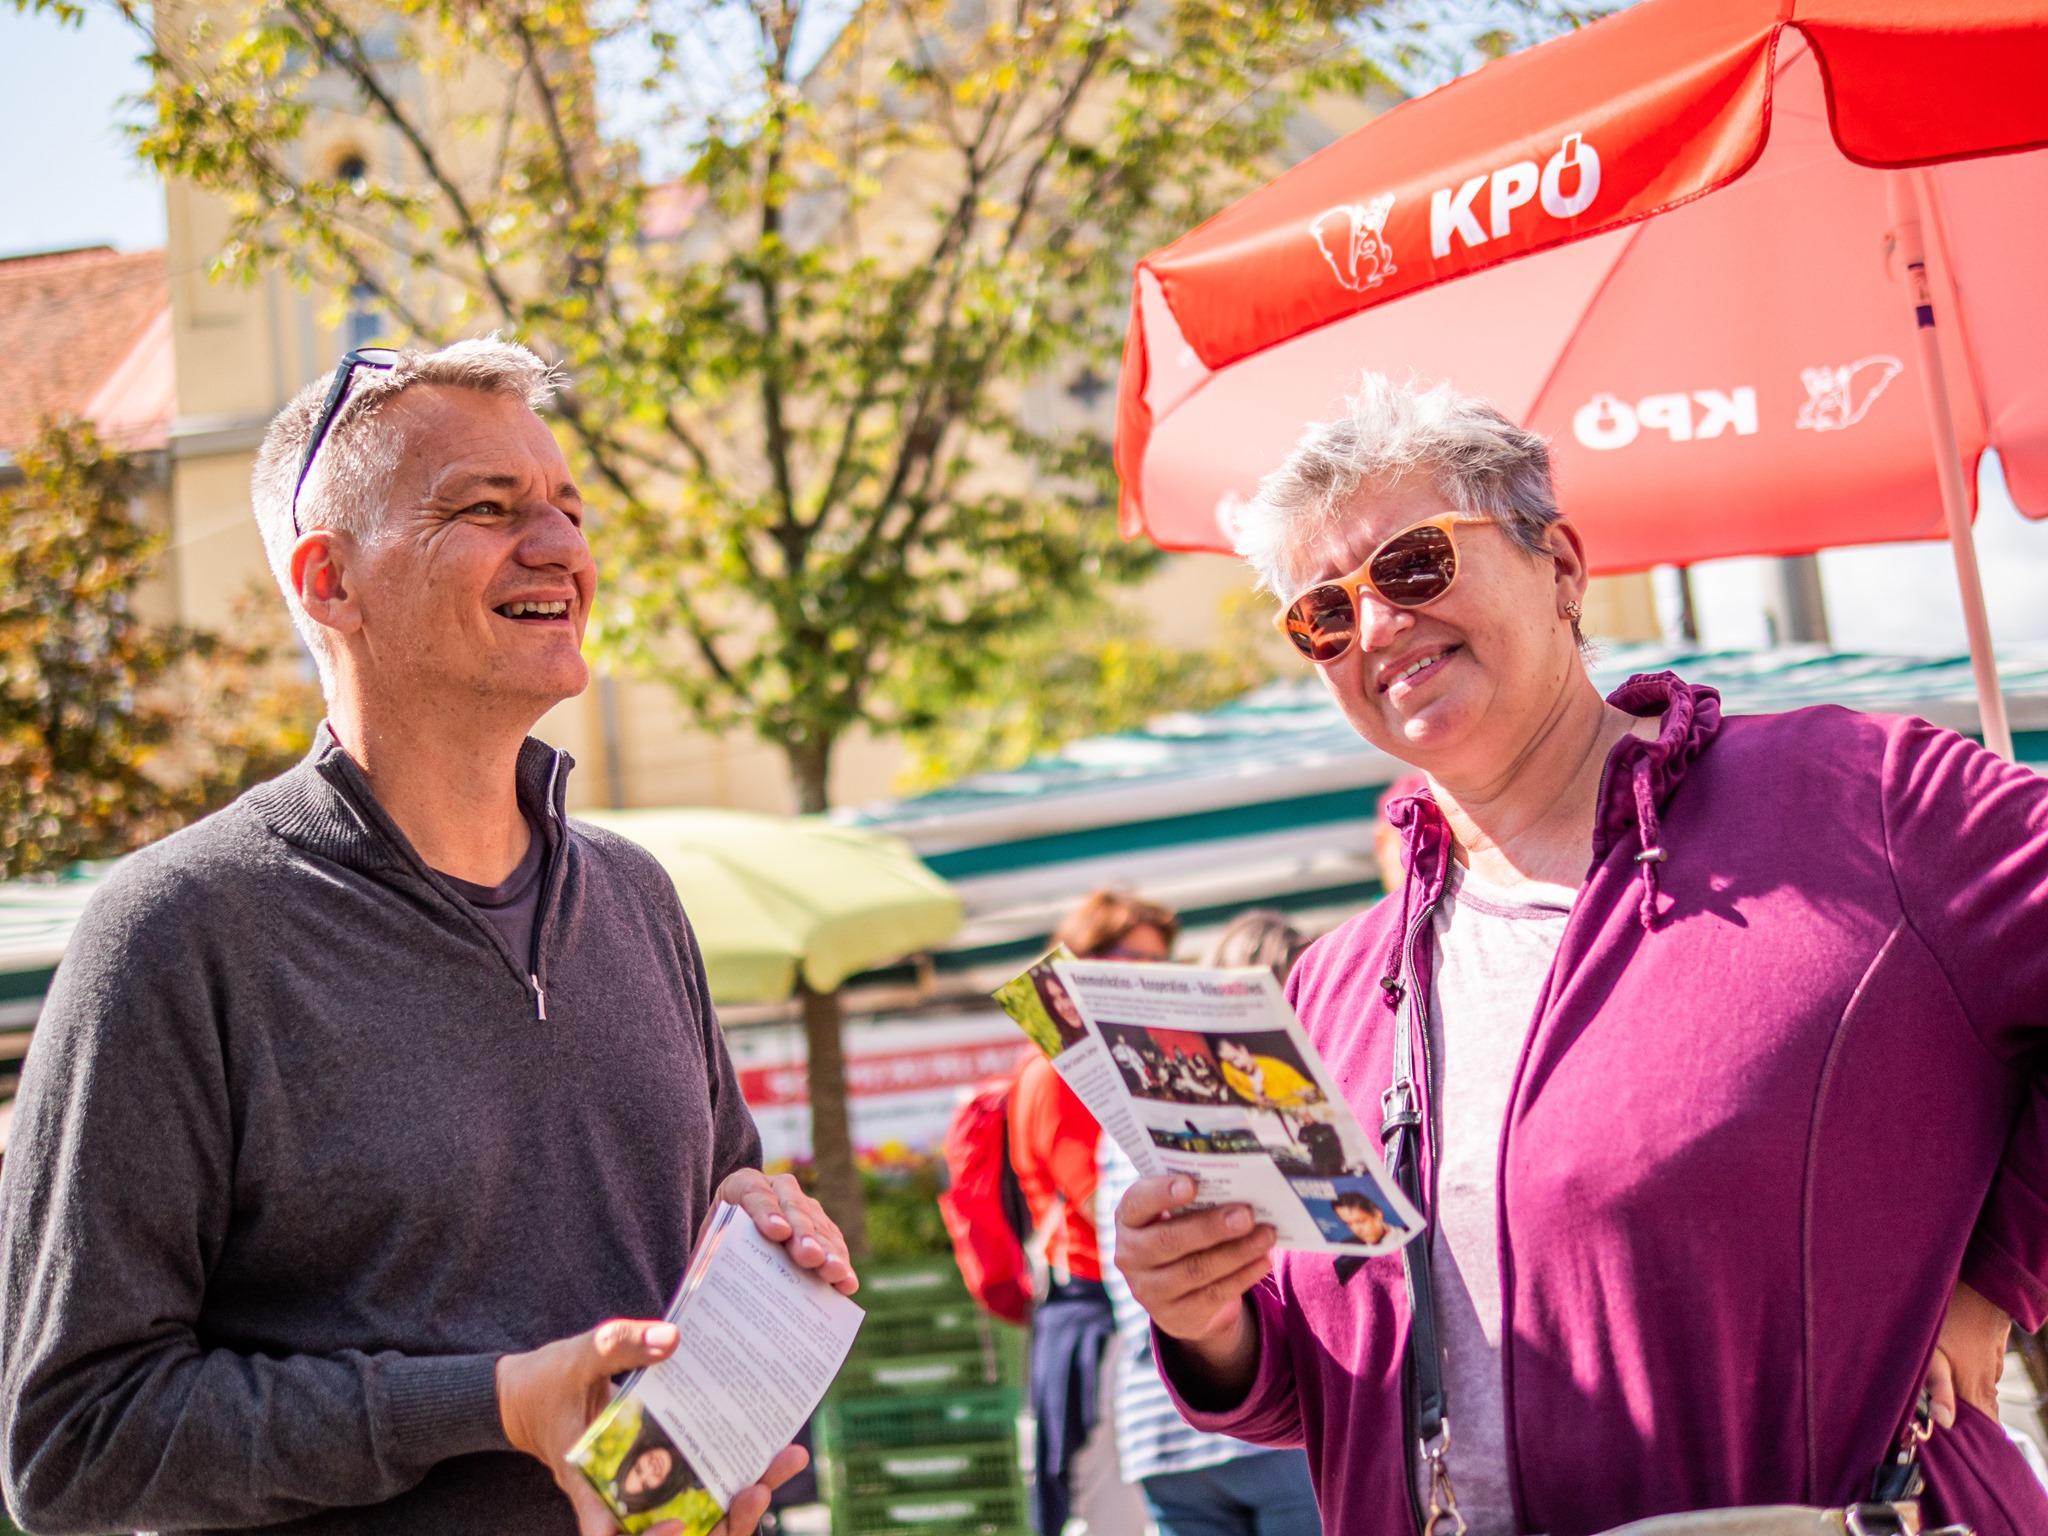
x: 1769, y: 274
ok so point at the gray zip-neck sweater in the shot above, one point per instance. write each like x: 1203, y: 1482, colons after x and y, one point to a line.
x: 302, y: 1148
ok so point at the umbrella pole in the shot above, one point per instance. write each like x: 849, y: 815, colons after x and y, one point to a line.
x: 1903, y: 192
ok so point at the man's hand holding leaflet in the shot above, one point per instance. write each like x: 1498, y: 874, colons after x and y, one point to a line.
x: 757, y: 1340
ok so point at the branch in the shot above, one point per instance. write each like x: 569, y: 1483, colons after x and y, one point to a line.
x: 776, y: 38
x: 550, y: 110
x: 504, y: 154
x: 414, y: 323
x: 322, y: 26
x: 1054, y: 126
x: 928, y: 62
x: 596, y: 445
x: 601, y: 283
x: 902, y: 309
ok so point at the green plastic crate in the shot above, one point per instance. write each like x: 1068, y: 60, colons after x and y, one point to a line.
x: 912, y: 1285
x: 986, y: 1364
x: 932, y: 1330
x: 921, y: 1469
x: 866, y: 1423
x: 960, y: 1512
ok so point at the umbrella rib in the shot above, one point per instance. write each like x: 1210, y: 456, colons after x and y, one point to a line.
x: 1578, y: 327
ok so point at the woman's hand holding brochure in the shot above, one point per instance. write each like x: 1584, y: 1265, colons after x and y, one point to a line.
x: 1208, y: 1076
x: 1244, y: 1143
x: 1190, y: 1271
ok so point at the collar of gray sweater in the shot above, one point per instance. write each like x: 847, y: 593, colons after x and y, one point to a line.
x: 326, y: 806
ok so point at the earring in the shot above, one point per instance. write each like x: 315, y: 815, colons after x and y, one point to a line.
x: 1572, y: 611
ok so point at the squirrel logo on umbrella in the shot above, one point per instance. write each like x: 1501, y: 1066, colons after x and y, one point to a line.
x: 1838, y: 397
x: 1352, y: 241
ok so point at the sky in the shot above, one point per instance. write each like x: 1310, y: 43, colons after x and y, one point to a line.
x: 67, y: 178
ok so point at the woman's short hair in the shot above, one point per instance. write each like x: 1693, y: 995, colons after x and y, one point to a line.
x: 1261, y: 936
x: 1105, y: 919
x: 1478, y: 460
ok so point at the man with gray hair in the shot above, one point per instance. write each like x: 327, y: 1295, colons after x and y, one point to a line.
x: 370, y: 1121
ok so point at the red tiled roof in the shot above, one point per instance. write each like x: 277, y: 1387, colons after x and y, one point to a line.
x: 668, y: 208
x: 69, y: 322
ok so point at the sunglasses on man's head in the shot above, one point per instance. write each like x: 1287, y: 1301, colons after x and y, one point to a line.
x: 1412, y: 569
x: 337, y: 396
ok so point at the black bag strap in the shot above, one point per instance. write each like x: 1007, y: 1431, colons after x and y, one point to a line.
x: 1422, y: 1370
x: 1401, y: 1138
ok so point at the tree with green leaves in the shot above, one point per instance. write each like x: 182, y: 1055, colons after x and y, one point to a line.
x: 798, y: 372
x: 1095, y: 671
x: 115, y: 731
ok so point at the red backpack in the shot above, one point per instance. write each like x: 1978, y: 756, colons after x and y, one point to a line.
x: 983, y: 1205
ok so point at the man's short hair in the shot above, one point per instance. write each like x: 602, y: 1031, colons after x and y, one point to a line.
x: 351, y: 474
x: 1354, y: 1200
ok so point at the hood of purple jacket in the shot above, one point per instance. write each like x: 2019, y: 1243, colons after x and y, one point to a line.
x: 1782, y: 1089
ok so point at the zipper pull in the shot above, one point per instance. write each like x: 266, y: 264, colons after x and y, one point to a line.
x: 540, y: 999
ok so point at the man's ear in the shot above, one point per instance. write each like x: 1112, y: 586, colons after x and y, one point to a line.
x: 320, y: 575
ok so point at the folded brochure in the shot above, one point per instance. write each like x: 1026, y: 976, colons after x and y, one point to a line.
x: 760, y: 1340
x: 1208, y: 1073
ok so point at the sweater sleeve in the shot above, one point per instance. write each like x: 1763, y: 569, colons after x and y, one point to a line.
x: 115, y: 1204
x: 1269, y: 1413
x: 1968, y: 841
x: 735, y: 1139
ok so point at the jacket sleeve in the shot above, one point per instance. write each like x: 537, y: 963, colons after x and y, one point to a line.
x: 1967, y: 836
x: 115, y: 1203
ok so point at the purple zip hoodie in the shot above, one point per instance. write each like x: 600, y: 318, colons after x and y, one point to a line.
x: 1783, y: 1087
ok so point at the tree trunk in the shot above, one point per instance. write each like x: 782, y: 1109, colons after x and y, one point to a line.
x: 810, y: 770
x: 838, y: 1179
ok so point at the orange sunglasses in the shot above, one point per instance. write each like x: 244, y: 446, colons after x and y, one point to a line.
x: 1412, y: 569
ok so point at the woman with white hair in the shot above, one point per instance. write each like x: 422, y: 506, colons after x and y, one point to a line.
x: 1709, y: 1045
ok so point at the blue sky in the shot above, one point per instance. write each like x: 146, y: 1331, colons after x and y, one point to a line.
x: 67, y: 178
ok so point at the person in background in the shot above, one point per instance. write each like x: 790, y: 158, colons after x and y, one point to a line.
x: 1260, y: 936
x: 1053, y: 1142
x: 1197, y: 1484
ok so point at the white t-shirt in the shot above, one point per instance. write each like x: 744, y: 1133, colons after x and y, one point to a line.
x: 1494, y: 949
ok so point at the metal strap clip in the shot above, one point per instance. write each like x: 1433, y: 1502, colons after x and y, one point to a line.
x: 1878, y: 1520
x: 1443, y: 1498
